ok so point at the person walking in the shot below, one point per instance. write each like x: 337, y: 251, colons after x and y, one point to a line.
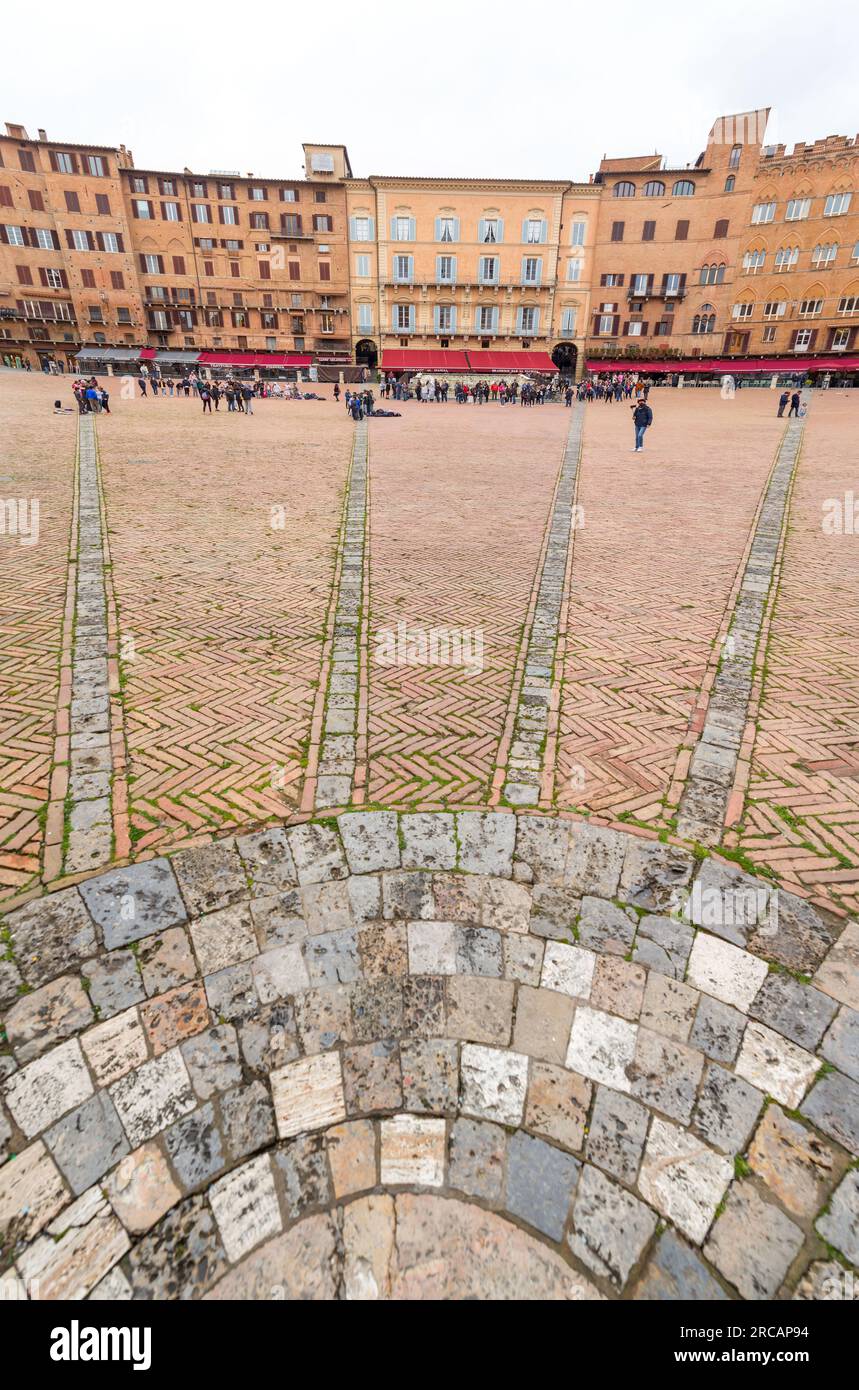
x: 794, y: 405
x: 337, y: 392
x: 782, y: 402
x: 248, y: 398
x: 642, y: 419
x: 105, y: 400
x: 215, y: 391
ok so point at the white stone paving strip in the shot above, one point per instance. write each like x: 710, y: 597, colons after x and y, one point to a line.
x: 90, y: 830
x: 704, y: 802
x: 335, y: 773
x: 524, y: 771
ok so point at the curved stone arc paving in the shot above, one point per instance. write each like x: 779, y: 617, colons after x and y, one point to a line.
x: 260, y: 1044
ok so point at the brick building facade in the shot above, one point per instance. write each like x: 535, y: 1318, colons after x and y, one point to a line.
x: 748, y: 252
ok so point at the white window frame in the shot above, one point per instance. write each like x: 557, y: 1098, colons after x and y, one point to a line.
x: 837, y: 204
x: 763, y: 212
x: 44, y: 239
x: 797, y: 210
x: 144, y: 211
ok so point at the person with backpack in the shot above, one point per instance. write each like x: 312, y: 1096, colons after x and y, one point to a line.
x: 206, y: 397
x: 642, y: 419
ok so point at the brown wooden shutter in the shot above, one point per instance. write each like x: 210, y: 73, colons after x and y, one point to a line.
x: 650, y: 284
x: 721, y: 228
x: 264, y: 270
x: 682, y: 231
x: 793, y: 337
x: 683, y: 281
x: 4, y: 235
x: 70, y: 241
x: 24, y: 276
x: 626, y: 328
x: 134, y: 211
x: 160, y: 265
x: 43, y: 275
x: 813, y: 340
x: 99, y: 238
x: 615, y: 325
x: 644, y: 330
x: 64, y: 280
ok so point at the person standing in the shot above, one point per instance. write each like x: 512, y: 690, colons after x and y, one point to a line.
x: 794, y: 405
x: 248, y: 398
x: 782, y: 402
x: 206, y: 398
x: 642, y: 419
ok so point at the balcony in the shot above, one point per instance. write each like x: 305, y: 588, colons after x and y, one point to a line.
x: 657, y: 292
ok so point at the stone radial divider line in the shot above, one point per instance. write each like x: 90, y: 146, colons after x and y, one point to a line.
x: 339, y: 718
x: 87, y: 841
x: 532, y: 715
x: 716, y: 759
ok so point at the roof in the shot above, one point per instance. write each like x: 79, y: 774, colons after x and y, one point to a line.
x: 510, y: 185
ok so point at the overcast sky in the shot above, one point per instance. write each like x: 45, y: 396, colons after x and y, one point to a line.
x: 534, y: 89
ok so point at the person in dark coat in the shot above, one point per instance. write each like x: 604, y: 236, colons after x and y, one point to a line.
x: 642, y: 419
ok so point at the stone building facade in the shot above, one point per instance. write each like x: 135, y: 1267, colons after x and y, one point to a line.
x: 748, y: 252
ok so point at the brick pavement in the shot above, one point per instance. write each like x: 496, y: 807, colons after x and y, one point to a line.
x: 801, y: 818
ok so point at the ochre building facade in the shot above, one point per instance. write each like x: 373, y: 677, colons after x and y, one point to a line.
x: 749, y: 252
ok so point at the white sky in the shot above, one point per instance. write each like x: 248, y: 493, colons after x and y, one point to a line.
x: 536, y: 89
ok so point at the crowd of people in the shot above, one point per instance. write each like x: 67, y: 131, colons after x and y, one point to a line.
x: 92, y: 398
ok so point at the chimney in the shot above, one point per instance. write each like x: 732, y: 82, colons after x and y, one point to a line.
x: 42, y: 135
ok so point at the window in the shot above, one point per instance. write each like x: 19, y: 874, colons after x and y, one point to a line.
x: 170, y: 212
x: 178, y: 265
x: 743, y: 311
x: 402, y: 316
x: 88, y: 279
x: 488, y: 270
x: 849, y: 304
x: 259, y: 221
x: 445, y: 269
x: 775, y: 309
x: 152, y: 265
x: 671, y: 283
x: 648, y: 231
x: 681, y: 231
x: 402, y: 269
x: 365, y: 317
x: 226, y: 190
x: 577, y: 233
x: 44, y: 239
x: 485, y: 319
x: 527, y: 320
x: 139, y: 185
x: 295, y: 270
x: 729, y: 183
x: 640, y: 284
x: 721, y: 228
x: 634, y: 328
x: 837, y: 204
x: 168, y: 187
x: 768, y: 335
x: 95, y: 314
x: 229, y: 216
x: 141, y: 208
x: 15, y: 236
x: 734, y: 159
x: 257, y: 195
x: 444, y: 318
x: 605, y: 324
x: 786, y: 257
x: 25, y: 276
x: 403, y: 229
x: 624, y: 189
x: 231, y: 245
x: 822, y: 257
x: 446, y: 227
x: 117, y: 280
x: 73, y: 202
x: 54, y: 279
x: 797, y: 209
x: 753, y: 261
x: 110, y: 241
x: 102, y: 204
x: 205, y: 243
x: 96, y: 166
x: 810, y: 308
x: 535, y: 230
x: 234, y: 270
x: 264, y: 268
x: 324, y: 270
x: 362, y: 267
x: 290, y: 224
x: 802, y: 340
x: 323, y: 223
x: 683, y: 188
x: 27, y: 161
x: 490, y: 229
x: 288, y: 195
x: 80, y: 241
x: 568, y: 323
x: 361, y: 229
x: 37, y: 202
x: 198, y: 190
x: 617, y: 231
x: 840, y: 339
x: 531, y: 268
x: 322, y: 163
x: 705, y: 320
x: 574, y: 269
x: 763, y: 212
x: 612, y: 278
x: 201, y: 212
x: 654, y: 188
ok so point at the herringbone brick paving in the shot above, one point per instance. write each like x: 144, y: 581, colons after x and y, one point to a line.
x: 225, y: 611
x: 801, y: 817
x: 460, y: 501
x: 663, y: 535
x: 37, y: 458
x: 222, y: 617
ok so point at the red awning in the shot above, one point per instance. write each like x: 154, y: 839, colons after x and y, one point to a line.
x: 147, y: 353
x: 798, y: 363
x: 254, y: 359
x: 423, y: 360
x: 511, y: 362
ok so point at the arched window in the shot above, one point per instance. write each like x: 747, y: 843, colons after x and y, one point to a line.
x: 705, y: 320
x: 624, y: 190
x: 734, y: 161
x: 712, y: 274
x: 683, y: 188
x: 729, y: 183
x: 655, y: 188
